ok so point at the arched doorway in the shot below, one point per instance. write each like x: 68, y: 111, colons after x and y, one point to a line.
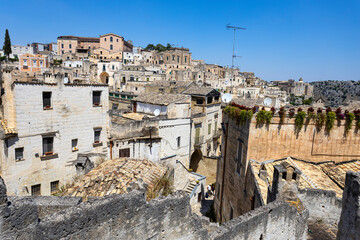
x: 104, y: 78
x: 195, y: 159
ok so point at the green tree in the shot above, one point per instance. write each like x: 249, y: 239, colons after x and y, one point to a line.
x: 168, y: 46
x: 7, y: 44
x: 150, y: 47
x: 159, y: 47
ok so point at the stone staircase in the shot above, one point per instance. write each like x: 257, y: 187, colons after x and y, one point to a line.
x: 190, y: 186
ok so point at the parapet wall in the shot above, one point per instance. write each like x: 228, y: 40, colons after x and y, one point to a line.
x: 129, y: 216
x: 279, y: 140
x: 276, y: 220
x: 323, y: 206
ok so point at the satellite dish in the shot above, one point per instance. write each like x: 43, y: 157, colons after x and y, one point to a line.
x: 267, y: 101
x: 226, y: 98
x: 157, y: 112
x: 66, y: 80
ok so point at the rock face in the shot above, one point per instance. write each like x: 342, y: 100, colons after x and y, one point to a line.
x: 337, y: 93
x: 349, y: 225
x: 3, y: 196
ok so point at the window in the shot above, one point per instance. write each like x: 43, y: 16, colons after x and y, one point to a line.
x: 41, y: 63
x: 54, y: 186
x: 48, y: 145
x: 62, y: 51
x: 70, y: 46
x: 124, y: 152
x: 113, y: 67
x: 209, y: 100
x: 19, y: 153
x: 96, y: 98
x: 100, y: 52
x: 62, y: 45
x: 70, y: 51
x: 97, y: 133
x: 185, y: 59
x: 167, y: 58
x: 199, y: 101
x: 104, y: 67
x: 147, y: 79
x: 36, y: 190
x: 74, y: 143
x: 111, y: 47
x: 25, y: 62
x: 105, y: 39
x: 173, y: 57
x: 178, y: 59
x: 209, y: 128
x: 178, y: 141
x: 47, y: 100
x: 111, y: 39
x: 117, y: 40
x: 239, y: 157
x: 34, y: 62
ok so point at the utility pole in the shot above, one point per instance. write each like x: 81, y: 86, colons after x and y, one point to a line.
x: 234, y: 28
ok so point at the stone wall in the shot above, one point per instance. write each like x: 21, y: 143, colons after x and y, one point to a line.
x: 276, y: 141
x: 323, y: 205
x: 131, y: 217
x: 71, y: 116
x: 349, y: 225
x: 274, y: 221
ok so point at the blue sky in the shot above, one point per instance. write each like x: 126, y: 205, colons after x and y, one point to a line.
x: 315, y: 39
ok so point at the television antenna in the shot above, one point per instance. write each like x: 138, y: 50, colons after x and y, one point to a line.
x: 234, y: 28
x: 226, y: 98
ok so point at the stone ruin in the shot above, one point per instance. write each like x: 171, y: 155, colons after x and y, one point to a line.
x: 130, y: 216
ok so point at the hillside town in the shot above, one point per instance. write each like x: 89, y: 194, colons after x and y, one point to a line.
x: 127, y: 141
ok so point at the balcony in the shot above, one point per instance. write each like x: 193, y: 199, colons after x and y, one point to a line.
x: 217, y: 133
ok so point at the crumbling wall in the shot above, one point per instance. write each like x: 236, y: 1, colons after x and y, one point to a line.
x: 129, y: 216
x: 349, y: 225
x: 323, y: 205
x: 276, y: 220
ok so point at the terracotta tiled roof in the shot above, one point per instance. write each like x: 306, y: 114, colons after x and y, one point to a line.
x: 7, y: 130
x: 327, y: 176
x: 114, y: 176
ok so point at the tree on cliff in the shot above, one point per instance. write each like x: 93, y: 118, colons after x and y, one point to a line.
x: 7, y: 44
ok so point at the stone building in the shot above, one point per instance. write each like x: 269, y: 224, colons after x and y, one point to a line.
x: 115, y: 43
x: 162, y: 136
x: 245, y: 170
x: 33, y: 63
x: 69, y: 44
x: 299, y: 88
x: 206, y: 118
x: 49, y: 132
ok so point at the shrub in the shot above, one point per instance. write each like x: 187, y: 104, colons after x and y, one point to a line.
x: 349, y: 118
x: 299, y: 120
x: 291, y: 112
x: 357, y: 117
x: 264, y: 116
x: 320, y: 119
x: 330, y: 118
x: 282, y: 114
